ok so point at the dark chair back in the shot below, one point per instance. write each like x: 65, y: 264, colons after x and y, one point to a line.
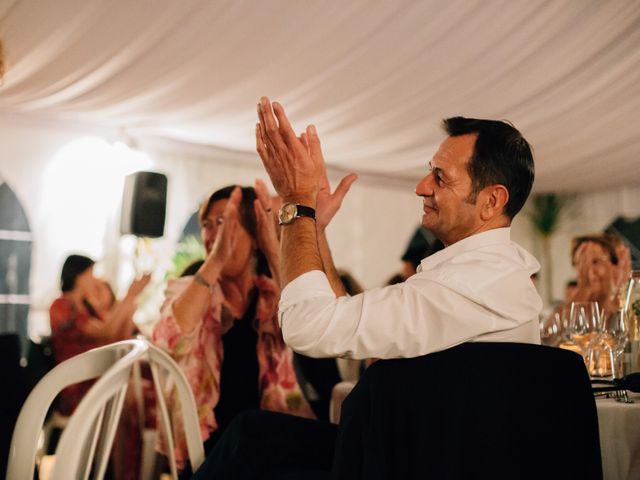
x: 15, y: 388
x: 474, y: 411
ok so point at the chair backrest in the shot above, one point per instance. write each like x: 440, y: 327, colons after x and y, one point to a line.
x: 168, y: 374
x: 477, y: 410
x: 16, y: 385
x: 88, y: 437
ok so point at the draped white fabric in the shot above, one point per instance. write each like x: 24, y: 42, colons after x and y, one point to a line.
x: 374, y: 76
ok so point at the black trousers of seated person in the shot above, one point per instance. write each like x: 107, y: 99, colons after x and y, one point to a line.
x: 263, y: 445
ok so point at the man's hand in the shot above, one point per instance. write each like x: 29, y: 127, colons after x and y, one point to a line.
x: 327, y: 203
x: 294, y: 172
x: 266, y: 228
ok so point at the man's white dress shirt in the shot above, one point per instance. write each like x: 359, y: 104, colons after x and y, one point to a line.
x: 478, y: 289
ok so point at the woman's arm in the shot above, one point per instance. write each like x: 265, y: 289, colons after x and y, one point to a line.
x: 191, y: 304
x: 121, y: 313
x: 116, y: 323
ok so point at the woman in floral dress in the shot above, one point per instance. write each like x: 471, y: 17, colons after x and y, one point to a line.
x: 220, y: 324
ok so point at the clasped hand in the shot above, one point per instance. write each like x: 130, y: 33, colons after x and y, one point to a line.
x: 294, y: 171
x: 296, y: 164
x: 226, y: 238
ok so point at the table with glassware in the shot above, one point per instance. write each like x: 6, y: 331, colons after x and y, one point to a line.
x: 610, y: 348
x: 619, y: 424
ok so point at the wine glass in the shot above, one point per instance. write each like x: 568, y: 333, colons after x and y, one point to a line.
x: 563, y: 317
x: 616, y: 329
x: 587, y: 330
x: 584, y: 323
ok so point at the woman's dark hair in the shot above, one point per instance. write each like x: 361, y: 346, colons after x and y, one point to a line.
x: 501, y: 156
x: 247, y: 218
x: 247, y: 213
x: 73, y: 266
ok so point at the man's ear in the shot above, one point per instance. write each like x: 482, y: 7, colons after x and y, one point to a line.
x: 494, y: 200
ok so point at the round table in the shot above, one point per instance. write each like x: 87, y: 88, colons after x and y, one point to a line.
x: 620, y: 437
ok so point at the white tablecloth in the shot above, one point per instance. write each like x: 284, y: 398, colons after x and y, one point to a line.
x: 620, y: 438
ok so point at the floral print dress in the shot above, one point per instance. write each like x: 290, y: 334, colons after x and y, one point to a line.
x: 200, y: 355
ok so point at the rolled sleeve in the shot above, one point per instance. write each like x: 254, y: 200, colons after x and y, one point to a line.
x: 313, y: 284
x: 476, y: 290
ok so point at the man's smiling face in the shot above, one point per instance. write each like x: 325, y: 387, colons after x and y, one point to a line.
x: 449, y: 209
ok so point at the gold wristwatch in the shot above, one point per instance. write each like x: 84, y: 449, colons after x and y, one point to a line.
x: 290, y: 211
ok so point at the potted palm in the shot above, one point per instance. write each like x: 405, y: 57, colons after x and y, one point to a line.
x: 546, y: 213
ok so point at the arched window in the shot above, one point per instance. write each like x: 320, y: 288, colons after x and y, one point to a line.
x: 192, y: 227
x: 188, y: 249
x: 15, y: 265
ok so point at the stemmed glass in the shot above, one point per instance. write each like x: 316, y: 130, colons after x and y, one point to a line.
x: 616, y: 330
x: 563, y: 317
x: 584, y: 323
x: 551, y: 329
x: 587, y: 331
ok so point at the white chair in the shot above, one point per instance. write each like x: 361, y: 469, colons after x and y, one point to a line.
x: 167, y: 374
x: 86, y: 442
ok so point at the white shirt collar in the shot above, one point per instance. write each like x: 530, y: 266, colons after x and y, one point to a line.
x: 473, y: 242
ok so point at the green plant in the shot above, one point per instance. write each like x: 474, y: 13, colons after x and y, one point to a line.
x: 546, y: 214
x: 188, y: 250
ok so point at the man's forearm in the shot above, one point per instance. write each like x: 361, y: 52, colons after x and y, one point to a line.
x: 328, y: 266
x: 299, y: 251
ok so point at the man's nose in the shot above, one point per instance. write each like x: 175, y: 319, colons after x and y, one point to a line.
x: 424, y: 188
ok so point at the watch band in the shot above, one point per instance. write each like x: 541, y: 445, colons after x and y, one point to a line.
x: 304, y: 211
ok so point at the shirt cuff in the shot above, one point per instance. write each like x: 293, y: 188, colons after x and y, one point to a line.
x: 311, y: 284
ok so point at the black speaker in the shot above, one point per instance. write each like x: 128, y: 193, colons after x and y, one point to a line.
x: 144, y: 204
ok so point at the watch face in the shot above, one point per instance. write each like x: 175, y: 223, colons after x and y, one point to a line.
x: 287, y: 213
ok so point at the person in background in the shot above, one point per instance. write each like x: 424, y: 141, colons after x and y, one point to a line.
x: 622, y: 270
x: 603, y: 266
x: 570, y: 289
x: 395, y: 279
x: 87, y: 316
x: 422, y: 244
x: 220, y: 323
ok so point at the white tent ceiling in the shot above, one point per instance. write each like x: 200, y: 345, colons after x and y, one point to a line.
x: 374, y: 76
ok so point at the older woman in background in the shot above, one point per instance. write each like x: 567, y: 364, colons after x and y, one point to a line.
x: 603, y: 266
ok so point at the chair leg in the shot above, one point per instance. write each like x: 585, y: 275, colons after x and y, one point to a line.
x: 148, y: 454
